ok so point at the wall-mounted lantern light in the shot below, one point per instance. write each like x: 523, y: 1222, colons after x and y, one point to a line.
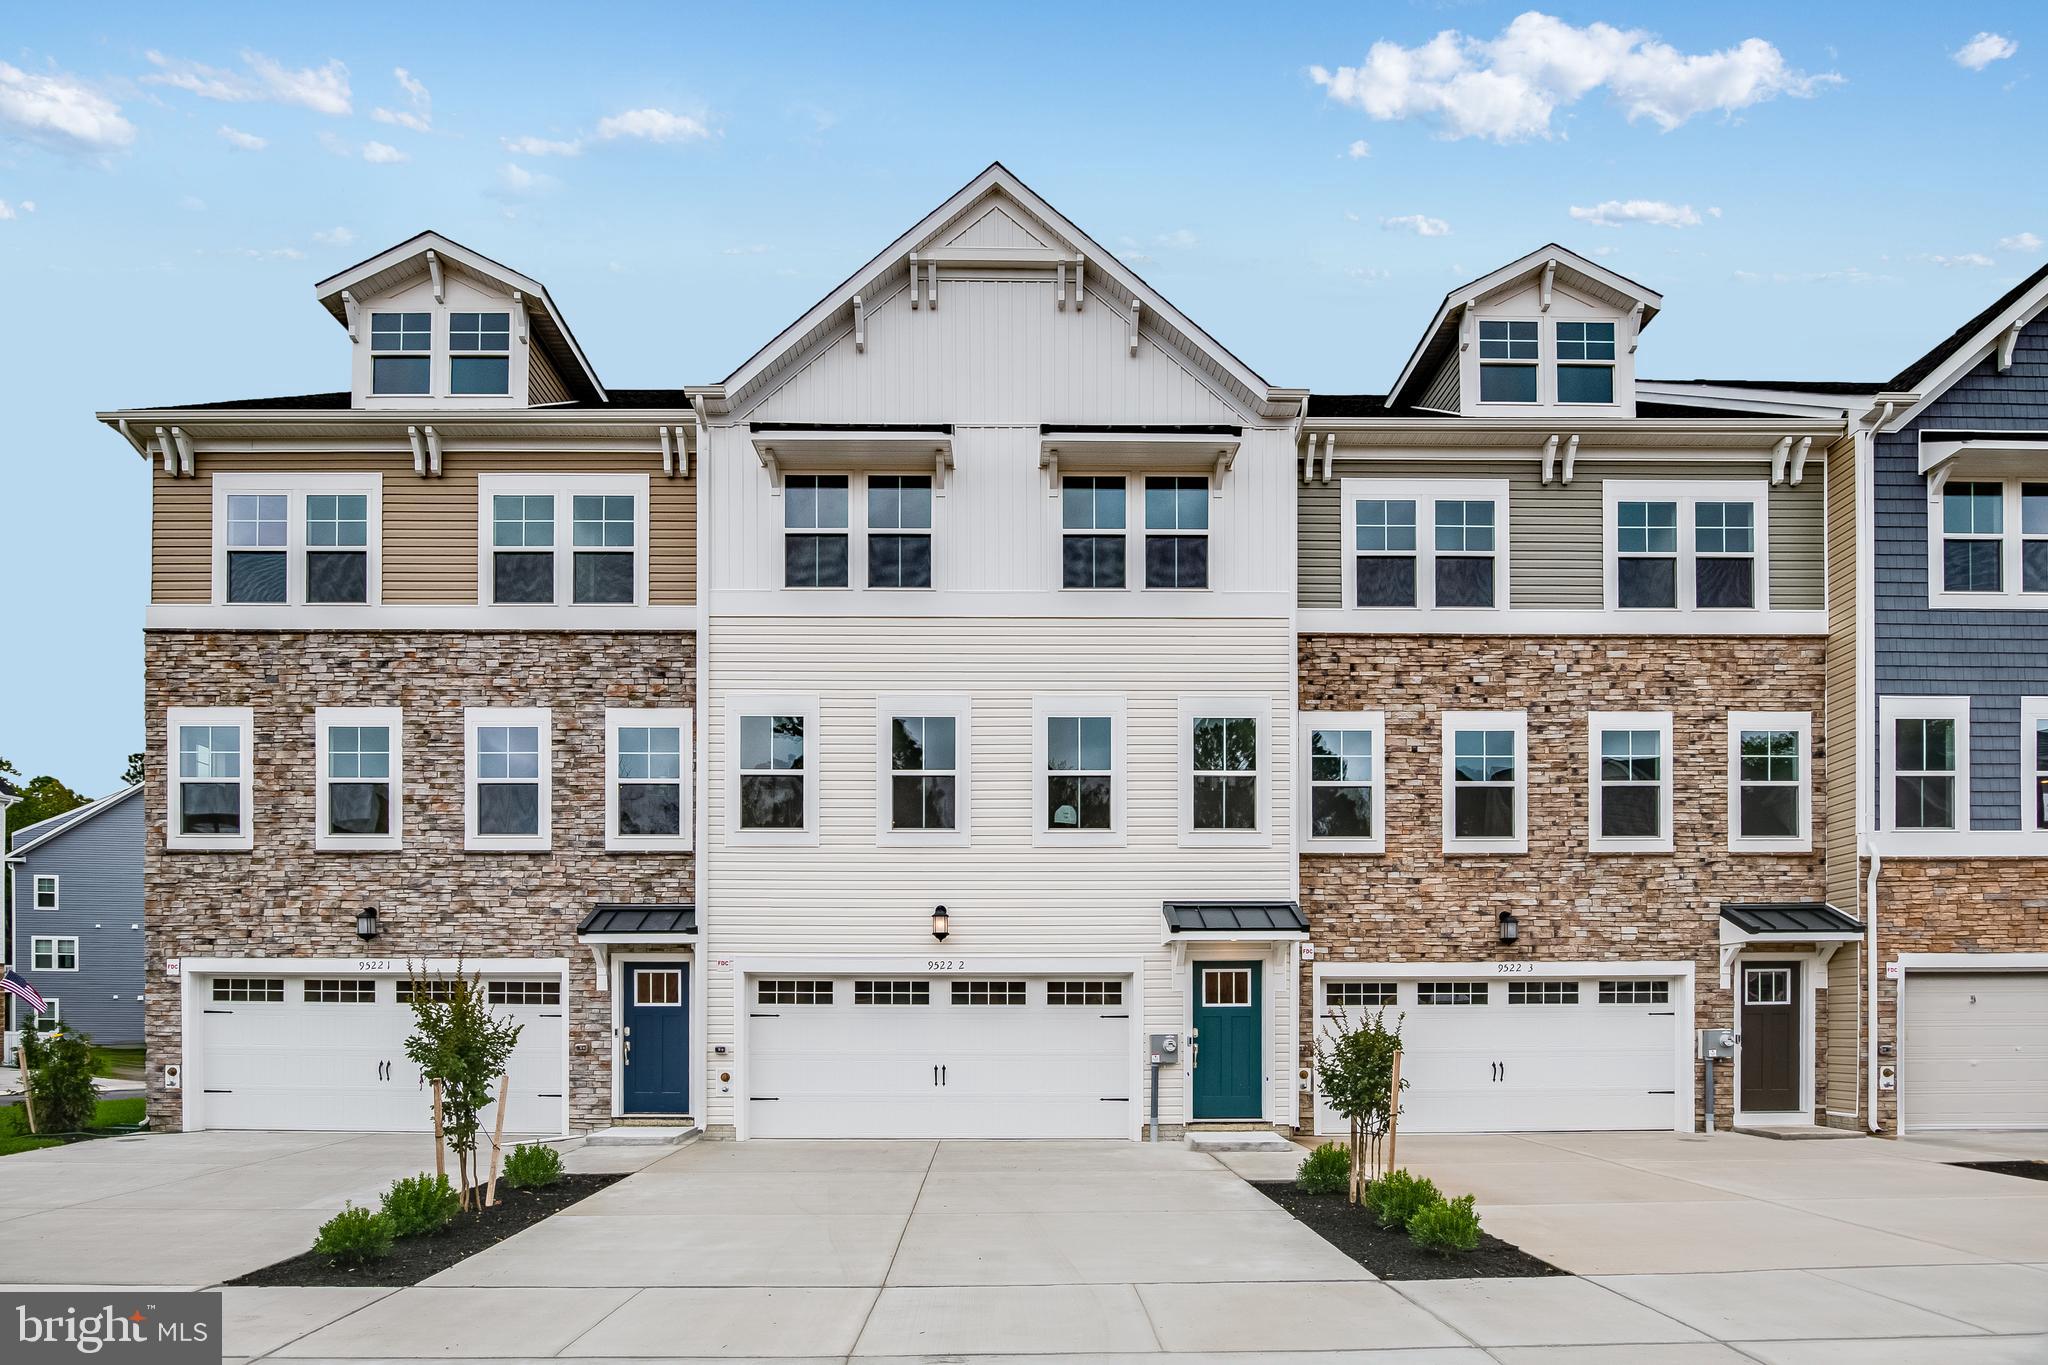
x: 366, y: 923
x: 1510, y: 927
x: 942, y: 923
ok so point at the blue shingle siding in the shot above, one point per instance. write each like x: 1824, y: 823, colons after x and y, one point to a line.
x: 98, y: 864
x: 1993, y: 657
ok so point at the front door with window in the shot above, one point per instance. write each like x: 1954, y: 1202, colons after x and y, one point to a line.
x: 1769, y: 1028
x: 1227, y: 1070
x: 655, y: 1015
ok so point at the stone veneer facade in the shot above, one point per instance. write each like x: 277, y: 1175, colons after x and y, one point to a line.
x: 283, y: 899
x: 1416, y: 903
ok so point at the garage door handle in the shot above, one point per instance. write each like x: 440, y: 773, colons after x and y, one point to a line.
x: 942, y: 1075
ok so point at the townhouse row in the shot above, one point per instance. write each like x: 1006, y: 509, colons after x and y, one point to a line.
x: 994, y: 674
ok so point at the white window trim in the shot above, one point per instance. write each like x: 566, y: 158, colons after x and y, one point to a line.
x: 293, y: 488
x: 2010, y: 557
x: 1145, y: 531
x: 176, y: 717
x: 857, y: 568
x: 393, y: 719
x: 2033, y: 713
x: 36, y: 891
x: 1258, y: 710
x: 961, y: 709
x: 1425, y: 493
x: 1597, y: 725
x: 682, y: 718
x: 455, y: 355
x: 1687, y: 493
x: 1545, y: 384
x: 1891, y: 710
x: 51, y: 1011
x: 563, y: 488
x: 855, y: 530
x: 56, y: 953
x: 1801, y: 724
x: 435, y: 324
x: 1558, y: 361
x: 1307, y: 723
x: 1516, y: 721
x: 1043, y: 709
x: 1134, y: 566
x: 475, y: 718
x: 773, y: 704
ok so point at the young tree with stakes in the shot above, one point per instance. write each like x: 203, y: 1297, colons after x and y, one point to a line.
x: 459, y: 1043
x: 1356, y: 1068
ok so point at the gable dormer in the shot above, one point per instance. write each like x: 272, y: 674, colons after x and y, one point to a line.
x: 1550, y: 333
x: 432, y: 324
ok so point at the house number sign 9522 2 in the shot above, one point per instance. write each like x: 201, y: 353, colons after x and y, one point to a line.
x: 946, y: 964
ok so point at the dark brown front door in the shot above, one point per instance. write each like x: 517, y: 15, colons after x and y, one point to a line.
x: 1769, y: 1027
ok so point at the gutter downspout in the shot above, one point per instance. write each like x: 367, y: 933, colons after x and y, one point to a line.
x: 1870, y: 950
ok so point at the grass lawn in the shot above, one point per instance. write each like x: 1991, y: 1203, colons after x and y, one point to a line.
x: 124, y: 1062
x: 15, y: 1137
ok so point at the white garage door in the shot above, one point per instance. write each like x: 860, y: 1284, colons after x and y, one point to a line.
x: 937, y: 1057
x: 1976, y: 1050
x: 304, y: 1052
x: 1527, y: 1055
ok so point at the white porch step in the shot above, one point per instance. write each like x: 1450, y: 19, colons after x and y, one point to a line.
x: 1240, y: 1140
x: 643, y: 1135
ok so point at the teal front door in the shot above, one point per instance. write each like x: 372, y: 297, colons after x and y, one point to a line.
x: 1227, y: 1072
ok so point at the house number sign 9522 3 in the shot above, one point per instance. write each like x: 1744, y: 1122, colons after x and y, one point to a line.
x: 1514, y: 969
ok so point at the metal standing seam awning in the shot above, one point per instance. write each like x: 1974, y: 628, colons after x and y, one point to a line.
x: 1744, y: 926
x: 611, y: 925
x: 1232, y: 922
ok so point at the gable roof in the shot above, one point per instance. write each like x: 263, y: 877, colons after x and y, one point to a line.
x: 1910, y: 378
x: 1104, y: 272
x: 1574, y: 270
x: 407, y: 262
x: 42, y: 831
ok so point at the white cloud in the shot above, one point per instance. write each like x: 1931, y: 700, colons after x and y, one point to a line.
x: 1421, y: 224
x: 2020, y: 241
x: 1359, y: 150
x: 540, y: 146
x: 654, y: 125
x: 517, y: 180
x: 323, y: 89
x: 334, y: 236
x: 276, y: 253
x: 9, y: 212
x: 1968, y: 258
x: 248, y: 142
x: 383, y: 154
x: 1984, y: 49
x: 750, y: 249
x: 1180, y: 239
x: 192, y: 203
x: 60, y: 112
x: 1852, y: 274
x: 1508, y: 87
x: 419, y: 118
x: 1655, y: 212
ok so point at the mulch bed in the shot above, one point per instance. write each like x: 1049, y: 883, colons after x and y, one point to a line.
x: 413, y: 1259
x: 1389, y: 1252
x: 2031, y: 1170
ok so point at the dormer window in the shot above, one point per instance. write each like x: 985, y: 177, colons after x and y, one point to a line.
x: 1585, y: 362
x: 479, y: 346
x: 401, y: 353
x: 1507, y: 362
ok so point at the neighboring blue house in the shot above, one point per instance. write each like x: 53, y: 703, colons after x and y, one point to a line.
x: 78, y: 917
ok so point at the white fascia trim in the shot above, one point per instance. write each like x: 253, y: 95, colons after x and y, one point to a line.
x: 177, y: 717
x: 293, y: 487
x: 1799, y: 722
x: 740, y: 705
x: 940, y: 962
x: 1910, y: 843
x: 1543, y: 621
x: 1306, y: 724
x: 562, y: 488
x: 1972, y: 962
x: 682, y: 718
x: 455, y: 616
x: 1504, y: 970
x: 371, y: 966
x: 1598, y: 723
x: 961, y: 709
x: 1516, y: 721
x: 393, y: 719
x: 1043, y: 709
x: 1130, y: 602
x: 1964, y: 358
x: 1978, y: 843
x: 476, y: 717
x: 1425, y: 493
x: 1258, y: 710
x: 2011, y: 553
x: 1688, y: 493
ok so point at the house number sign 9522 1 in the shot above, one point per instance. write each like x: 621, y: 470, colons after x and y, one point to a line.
x: 373, y: 964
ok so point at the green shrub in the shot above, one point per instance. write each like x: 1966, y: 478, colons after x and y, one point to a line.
x: 1446, y: 1227
x: 60, y: 1080
x: 1326, y: 1170
x: 1395, y: 1197
x: 354, y: 1237
x: 420, y: 1204
x: 532, y: 1165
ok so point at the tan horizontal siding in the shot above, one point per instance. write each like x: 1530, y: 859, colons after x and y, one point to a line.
x: 1839, y: 719
x: 543, y: 385
x: 181, y: 538
x: 1844, y: 1036
x: 1798, y: 545
x: 1321, y: 547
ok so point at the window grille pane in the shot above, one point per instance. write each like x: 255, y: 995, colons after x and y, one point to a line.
x: 793, y: 993
x: 1386, y: 581
x: 1092, y: 562
x: 479, y: 331
x: 603, y: 579
x: 337, y: 576
x: 1507, y: 383
x: 401, y: 331
x: 399, y: 374
x: 1543, y: 992
x: 256, y: 576
x: 508, y: 808
x: 524, y: 992
x: 1973, y: 509
x: 1450, y: 993
x: 892, y: 992
x: 1646, y: 583
x: 1973, y: 565
x: 1463, y: 581
x: 1092, y: 504
x: 1386, y: 524
x: 988, y: 993
x: 899, y: 561
x: 651, y: 809
x: 1585, y: 383
x: 1084, y: 992
x: 1370, y: 994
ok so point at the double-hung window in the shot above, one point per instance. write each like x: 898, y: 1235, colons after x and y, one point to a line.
x: 1177, y: 531
x: 1485, y: 782
x: 1646, y: 550
x: 1079, y: 748
x: 772, y: 795
x: 1993, y: 545
x: 209, y: 764
x: 1630, y: 758
x: 1724, y: 555
x: 1385, y: 546
x: 1769, y: 781
x: 53, y: 954
x: 1441, y: 544
x: 359, y: 754
x: 647, y: 788
x: 401, y: 353
x: 1926, y: 745
x: 1508, y: 352
x: 1585, y: 362
x: 1686, y: 546
x: 2034, y: 764
x: 1973, y: 537
x: 922, y: 778
x: 1223, y: 770
x: 899, y: 531
x: 1094, y: 539
x: 46, y: 891
x: 1464, y: 559
x: 296, y: 540
x: 1343, y: 808
x: 570, y: 540
x: 509, y: 764
x: 479, y: 353
x: 814, y: 531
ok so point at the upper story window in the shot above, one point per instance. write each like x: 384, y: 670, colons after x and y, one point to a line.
x: 815, y: 537
x: 401, y: 353
x: 772, y: 796
x: 572, y: 540
x: 1079, y: 752
x: 602, y: 532
x: 647, y: 793
x: 1485, y: 782
x: 209, y: 765
x: 309, y: 539
x: 1646, y: 546
x: 899, y: 531
x: 1223, y: 770
x: 1769, y: 781
x: 1093, y: 543
x: 1724, y: 549
x: 479, y: 353
x: 2034, y: 764
x: 1346, y: 794
x: 509, y: 753
x: 53, y: 954
x: 1925, y: 753
x: 358, y: 751
x: 1464, y: 559
x: 1676, y: 546
x: 921, y: 782
x: 1631, y: 782
x: 1508, y: 353
x: 1993, y: 543
x: 1585, y: 362
x: 1177, y: 531
x: 46, y: 891
x: 1441, y: 544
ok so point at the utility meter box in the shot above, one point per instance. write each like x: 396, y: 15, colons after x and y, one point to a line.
x: 1165, y: 1049
x: 1718, y: 1044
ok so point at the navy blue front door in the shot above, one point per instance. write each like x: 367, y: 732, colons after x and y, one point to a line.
x: 1227, y: 1066
x: 656, y: 1018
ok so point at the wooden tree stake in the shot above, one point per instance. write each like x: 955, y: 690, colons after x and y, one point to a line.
x: 1394, y: 1110
x: 28, y: 1099
x: 440, y: 1148
x: 497, y: 1140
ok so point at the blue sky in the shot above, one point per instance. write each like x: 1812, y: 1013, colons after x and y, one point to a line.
x: 1819, y: 191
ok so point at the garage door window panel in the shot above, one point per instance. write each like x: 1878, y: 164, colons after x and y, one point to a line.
x: 989, y: 993
x: 1110, y: 993
x: 1450, y: 992
x: 244, y: 990
x: 1635, y: 992
x: 1543, y: 992
x: 341, y: 990
x: 1359, y: 994
x: 524, y: 992
x: 792, y: 992
x: 892, y: 992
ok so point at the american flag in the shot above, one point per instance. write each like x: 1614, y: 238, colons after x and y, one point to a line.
x: 14, y: 983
